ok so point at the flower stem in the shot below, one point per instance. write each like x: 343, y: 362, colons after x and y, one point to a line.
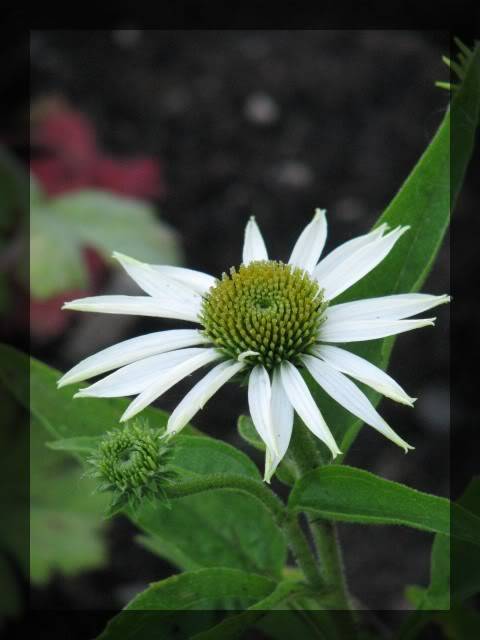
x: 303, y: 449
x: 231, y: 481
x: 326, y: 540
x: 304, y: 452
x: 302, y: 552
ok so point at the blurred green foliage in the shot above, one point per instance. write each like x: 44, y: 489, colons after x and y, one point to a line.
x: 61, y: 226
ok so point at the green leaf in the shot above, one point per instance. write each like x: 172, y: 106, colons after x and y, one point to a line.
x: 353, y: 495
x: 454, y: 577
x: 56, y: 261
x: 438, y: 594
x: 200, y: 589
x: 218, y: 528
x: 166, y: 546
x: 113, y: 223
x: 455, y: 564
x: 66, y: 516
x: 424, y: 202
x: 206, y: 455
x: 415, y: 595
x: 82, y: 446
x: 60, y: 227
x: 235, y: 626
x: 248, y: 432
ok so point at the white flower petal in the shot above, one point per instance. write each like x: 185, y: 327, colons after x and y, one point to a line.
x: 344, y: 251
x: 300, y: 397
x: 196, y: 280
x: 168, y: 379
x: 309, y: 246
x: 137, y: 306
x: 122, y: 353
x: 357, y: 265
x: 259, y: 402
x: 137, y: 376
x: 394, y: 307
x: 346, y: 393
x: 282, y: 414
x: 157, y: 284
x: 253, y: 247
x: 282, y: 421
x: 271, y: 463
x: 357, y: 331
x: 362, y: 370
x: 198, y: 396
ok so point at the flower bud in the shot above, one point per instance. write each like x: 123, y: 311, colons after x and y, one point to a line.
x: 132, y: 462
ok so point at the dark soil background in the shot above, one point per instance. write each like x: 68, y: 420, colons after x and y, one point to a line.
x: 270, y: 123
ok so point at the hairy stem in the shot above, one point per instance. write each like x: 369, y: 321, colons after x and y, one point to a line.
x: 304, y: 452
x: 326, y: 540
x: 231, y: 481
x: 302, y: 552
x: 303, y: 449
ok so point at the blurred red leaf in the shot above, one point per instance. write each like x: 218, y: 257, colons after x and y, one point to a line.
x: 67, y: 157
x: 138, y: 177
x: 65, y: 148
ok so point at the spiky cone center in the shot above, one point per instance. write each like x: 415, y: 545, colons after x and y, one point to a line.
x: 269, y: 310
x: 132, y: 461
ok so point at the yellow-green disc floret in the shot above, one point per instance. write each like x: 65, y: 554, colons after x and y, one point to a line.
x: 269, y: 308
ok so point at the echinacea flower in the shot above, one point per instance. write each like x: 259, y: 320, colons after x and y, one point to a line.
x: 266, y: 319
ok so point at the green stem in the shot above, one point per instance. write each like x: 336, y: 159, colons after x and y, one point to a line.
x: 231, y: 481
x: 304, y: 452
x: 303, y: 449
x: 303, y: 553
x: 325, y: 535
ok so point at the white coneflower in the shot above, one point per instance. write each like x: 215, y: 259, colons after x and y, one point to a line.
x: 267, y: 319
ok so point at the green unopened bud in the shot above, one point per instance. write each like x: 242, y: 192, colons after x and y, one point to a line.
x: 133, y: 463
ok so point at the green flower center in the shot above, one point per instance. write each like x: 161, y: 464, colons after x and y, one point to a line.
x: 270, y: 309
